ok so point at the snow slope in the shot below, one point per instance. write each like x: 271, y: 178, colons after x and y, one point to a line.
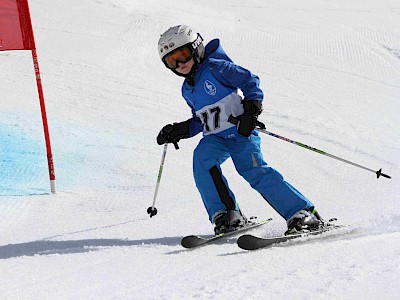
x: 331, y: 74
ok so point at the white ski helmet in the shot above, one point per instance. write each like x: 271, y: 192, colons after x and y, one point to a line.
x: 180, y: 38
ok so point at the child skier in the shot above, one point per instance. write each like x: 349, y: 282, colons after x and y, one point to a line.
x: 210, y: 89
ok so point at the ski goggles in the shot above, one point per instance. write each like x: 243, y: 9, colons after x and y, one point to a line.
x: 180, y: 55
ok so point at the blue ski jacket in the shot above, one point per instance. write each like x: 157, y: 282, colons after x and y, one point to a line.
x: 216, y: 92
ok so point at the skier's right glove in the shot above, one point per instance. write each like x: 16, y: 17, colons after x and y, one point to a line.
x: 173, y: 133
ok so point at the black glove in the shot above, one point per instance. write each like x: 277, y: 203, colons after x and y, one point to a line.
x: 248, y: 120
x: 173, y: 133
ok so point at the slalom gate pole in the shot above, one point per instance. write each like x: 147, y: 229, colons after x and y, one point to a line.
x: 261, y: 128
x: 28, y: 31
x: 50, y: 161
x: 152, y: 211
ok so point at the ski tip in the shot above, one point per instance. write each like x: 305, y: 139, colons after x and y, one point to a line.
x: 245, y: 241
x: 191, y: 241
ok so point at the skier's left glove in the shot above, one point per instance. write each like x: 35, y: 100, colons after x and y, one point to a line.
x: 247, y: 121
x: 173, y: 133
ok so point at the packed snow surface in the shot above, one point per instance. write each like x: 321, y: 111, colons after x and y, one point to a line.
x: 330, y: 71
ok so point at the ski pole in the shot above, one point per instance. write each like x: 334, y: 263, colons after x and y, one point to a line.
x: 152, y: 211
x: 260, y: 127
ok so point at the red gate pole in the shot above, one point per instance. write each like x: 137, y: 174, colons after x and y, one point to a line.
x: 14, y: 14
x: 50, y: 161
x: 30, y: 39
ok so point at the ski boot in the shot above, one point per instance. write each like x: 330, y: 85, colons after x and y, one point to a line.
x: 226, y: 221
x: 305, y: 220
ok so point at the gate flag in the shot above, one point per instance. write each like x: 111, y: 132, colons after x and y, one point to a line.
x: 15, y: 26
x: 16, y: 34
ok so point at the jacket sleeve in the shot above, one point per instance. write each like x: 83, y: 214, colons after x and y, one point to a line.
x: 229, y: 74
x: 195, y: 126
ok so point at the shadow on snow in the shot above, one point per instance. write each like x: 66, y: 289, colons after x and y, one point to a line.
x: 44, y: 247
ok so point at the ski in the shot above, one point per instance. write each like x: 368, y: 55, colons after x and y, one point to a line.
x: 251, y: 242
x: 194, y: 241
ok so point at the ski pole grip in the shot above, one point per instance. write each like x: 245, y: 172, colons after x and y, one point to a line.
x: 233, y: 120
x: 176, y: 145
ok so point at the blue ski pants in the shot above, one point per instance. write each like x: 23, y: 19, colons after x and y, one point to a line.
x: 246, y: 155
